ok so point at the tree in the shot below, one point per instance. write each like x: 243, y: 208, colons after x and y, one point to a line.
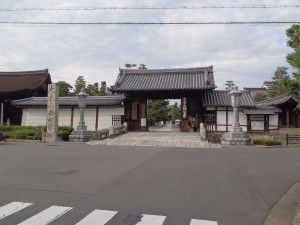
x: 142, y: 67
x: 157, y: 111
x: 129, y: 66
x: 260, y: 96
x: 229, y: 85
x: 176, y: 112
x: 64, y: 88
x: 293, y: 34
x: 280, y: 82
x: 293, y: 59
x: 93, y: 89
x: 79, y: 84
x: 103, y: 89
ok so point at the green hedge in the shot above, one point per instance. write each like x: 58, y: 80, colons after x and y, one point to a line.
x: 33, y: 132
x: 266, y: 142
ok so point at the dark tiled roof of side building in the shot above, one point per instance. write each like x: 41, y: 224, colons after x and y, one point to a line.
x: 92, y: 101
x: 222, y: 98
x: 164, y: 79
x: 277, y: 100
x: 12, y: 82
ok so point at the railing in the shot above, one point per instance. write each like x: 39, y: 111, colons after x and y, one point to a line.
x: 292, y: 139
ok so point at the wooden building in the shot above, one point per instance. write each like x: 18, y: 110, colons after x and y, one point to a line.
x: 194, y: 86
x: 17, y: 85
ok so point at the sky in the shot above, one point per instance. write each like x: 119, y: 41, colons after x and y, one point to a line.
x: 246, y: 54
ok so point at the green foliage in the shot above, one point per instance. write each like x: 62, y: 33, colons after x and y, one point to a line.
x: 93, y: 89
x: 260, y: 96
x: 142, y: 67
x: 79, y: 84
x: 229, y: 85
x: 33, y: 132
x: 176, y: 112
x: 266, y: 142
x: 103, y: 89
x: 65, y: 131
x: 280, y: 81
x: 129, y: 66
x: 293, y: 33
x: 64, y: 88
x: 157, y: 111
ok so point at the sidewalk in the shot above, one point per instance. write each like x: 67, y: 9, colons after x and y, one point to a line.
x: 287, y: 210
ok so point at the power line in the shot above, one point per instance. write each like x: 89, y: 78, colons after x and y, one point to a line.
x: 154, y: 7
x: 151, y: 23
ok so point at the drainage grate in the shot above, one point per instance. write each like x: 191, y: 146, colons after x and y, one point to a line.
x: 132, y: 219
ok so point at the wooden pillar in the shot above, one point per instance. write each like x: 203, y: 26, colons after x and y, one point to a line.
x: 72, y: 117
x: 216, y: 114
x: 287, y: 114
x: 97, y: 118
x: 226, y: 119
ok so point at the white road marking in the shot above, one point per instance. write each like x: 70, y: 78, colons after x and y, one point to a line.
x: 151, y: 220
x: 99, y: 217
x: 46, y: 216
x: 203, y: 222
x: 12, y: 208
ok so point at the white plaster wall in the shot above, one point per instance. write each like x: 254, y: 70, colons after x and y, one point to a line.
x: 221, y: 119
x: 64, y: 117
x: 105, y: 116
x: 243, y: 120
x: 89, y: 118
x: 35, y: 117
x: 273, y: 121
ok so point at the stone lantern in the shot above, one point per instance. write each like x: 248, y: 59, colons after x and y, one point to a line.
x: 81, y: 134
x: 82, y: 95
x: 235, y: 136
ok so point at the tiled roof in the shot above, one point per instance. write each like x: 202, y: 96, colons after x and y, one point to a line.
x: 222, y: 98
x: 164, y: 79
x: 262, y: 111
x: 101, y: 101
x: 12, y: 82
x: 277, y: 100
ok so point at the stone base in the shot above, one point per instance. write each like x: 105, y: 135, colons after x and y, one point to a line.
x: 81, y: 136
x: 236, y: 138
x: 52, y: 137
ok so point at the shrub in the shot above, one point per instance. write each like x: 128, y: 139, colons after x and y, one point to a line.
x: 33, y: 132
x: 266, y: 142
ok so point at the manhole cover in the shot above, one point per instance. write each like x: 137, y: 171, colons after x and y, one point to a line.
x: 132, y: 219
x: 51, y: 145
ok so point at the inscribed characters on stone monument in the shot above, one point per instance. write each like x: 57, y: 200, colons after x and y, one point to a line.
x: 52, y: 108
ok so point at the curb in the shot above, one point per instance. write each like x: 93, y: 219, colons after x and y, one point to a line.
x: 287, y: 210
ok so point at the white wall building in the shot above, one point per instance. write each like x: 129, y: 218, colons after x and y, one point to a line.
x: 98, y: 114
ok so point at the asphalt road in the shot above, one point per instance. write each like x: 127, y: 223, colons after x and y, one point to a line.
x: 234, y: 186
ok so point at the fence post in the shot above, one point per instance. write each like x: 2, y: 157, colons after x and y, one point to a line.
x: 287, y: 139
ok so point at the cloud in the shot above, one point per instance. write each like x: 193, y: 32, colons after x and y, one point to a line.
x: 246, y: 54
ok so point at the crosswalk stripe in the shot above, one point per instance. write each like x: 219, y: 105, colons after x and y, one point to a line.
x: 12, y: 208
x: 203, y: 222
x: 46, y: 216
x: 99, y: 217
x: 151, y: 220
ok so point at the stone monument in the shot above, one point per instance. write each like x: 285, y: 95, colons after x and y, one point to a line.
x: 52, y: 134
x: 81, y: 134
x: 235, y: 136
